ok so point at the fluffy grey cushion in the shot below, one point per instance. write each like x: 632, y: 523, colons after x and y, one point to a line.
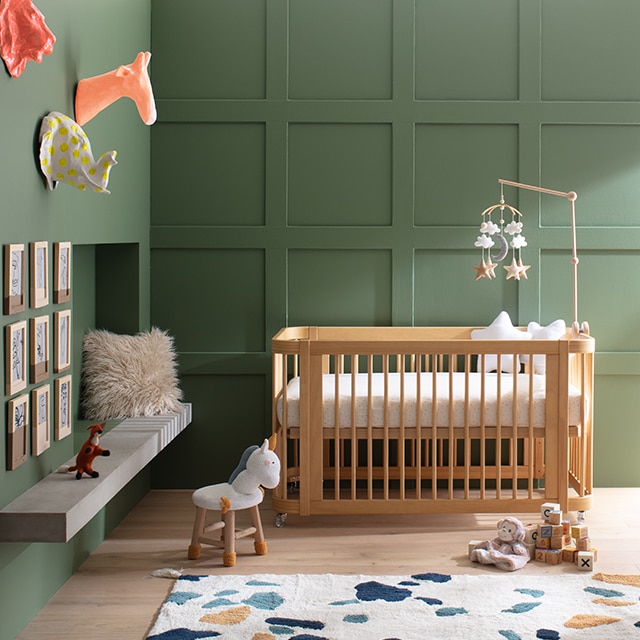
x: 126, y: 376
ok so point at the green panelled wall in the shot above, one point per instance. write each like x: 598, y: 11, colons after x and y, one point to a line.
x: 110, y: 255
x: 326, y: 162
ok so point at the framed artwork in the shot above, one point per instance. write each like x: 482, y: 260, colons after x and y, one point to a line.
x: 39, y: 352
x: 17, y: 425
x: 40, y: 435
x: 14, y: 276
x: 61, y: 272
x: 62, y: 340
x: 15, y: 357
x: 62, y: 416
x: 39, y: 267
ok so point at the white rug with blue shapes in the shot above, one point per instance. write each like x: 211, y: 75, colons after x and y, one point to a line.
x: 422, y: 606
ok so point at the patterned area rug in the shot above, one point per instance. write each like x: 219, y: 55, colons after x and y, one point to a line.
x: 511, y: 606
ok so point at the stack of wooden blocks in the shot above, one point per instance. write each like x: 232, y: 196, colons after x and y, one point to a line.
x: 556, y: 540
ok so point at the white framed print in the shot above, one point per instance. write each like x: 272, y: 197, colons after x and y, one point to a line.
x: 62, y: 415
x: 40, y: 422
x: 61, y: 272
x: 39, y: 350
x: 62, y: 340
x: 14, y: 278
x: 39, y: 267
x: 17, y: 427
x: 15, y: 357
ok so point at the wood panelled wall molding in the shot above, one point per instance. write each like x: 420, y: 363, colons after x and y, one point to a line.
x: 328, y: 162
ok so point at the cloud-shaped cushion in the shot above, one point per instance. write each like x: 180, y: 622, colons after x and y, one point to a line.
x: 554, y: 331
x: 500, y: 329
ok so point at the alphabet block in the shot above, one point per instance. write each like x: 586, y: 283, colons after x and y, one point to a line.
x: 569, y: 554
x: 530, y: 533
x: 472, y: 545
x: 554, y: 556
x: 546, y: 531
x: 555, y: 516
x: 585, y: 560
x: 547, y: 508
x: 579, y: 531
x: 583, y: 544
x: 541, y: 555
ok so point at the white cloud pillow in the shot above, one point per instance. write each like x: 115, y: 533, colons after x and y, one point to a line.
x: 554, y: 331
x: 500, y: 329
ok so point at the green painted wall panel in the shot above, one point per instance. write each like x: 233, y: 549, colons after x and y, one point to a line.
x: 466, y: 50
x: 340, y: 50
x: 339, y: 174
x: 588, y: 48
x: 220, y: 182
x: 220, y: 284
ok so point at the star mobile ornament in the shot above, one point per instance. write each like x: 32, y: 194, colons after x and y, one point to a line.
x: 492, y: 233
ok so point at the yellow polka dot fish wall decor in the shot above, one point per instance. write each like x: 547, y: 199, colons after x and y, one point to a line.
x: 65, y: 156
x: 492, y: 232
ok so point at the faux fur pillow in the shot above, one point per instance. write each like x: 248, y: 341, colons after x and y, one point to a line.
x: 126, y: 376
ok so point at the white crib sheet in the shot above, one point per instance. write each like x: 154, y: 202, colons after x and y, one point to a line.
x: 377, y: 393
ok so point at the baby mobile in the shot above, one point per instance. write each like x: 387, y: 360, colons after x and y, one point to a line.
x: 490, y: 232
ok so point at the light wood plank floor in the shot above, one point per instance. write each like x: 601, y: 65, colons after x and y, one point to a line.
x: 112, y: 596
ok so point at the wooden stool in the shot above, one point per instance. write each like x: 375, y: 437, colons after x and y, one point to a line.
x: 209, y: 499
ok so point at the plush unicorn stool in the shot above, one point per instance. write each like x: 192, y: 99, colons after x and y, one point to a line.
x: 259, y: 467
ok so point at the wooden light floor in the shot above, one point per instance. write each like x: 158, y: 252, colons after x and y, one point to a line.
x: 113, y: 596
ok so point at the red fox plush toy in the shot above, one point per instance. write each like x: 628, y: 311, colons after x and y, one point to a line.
x: 90, y: 450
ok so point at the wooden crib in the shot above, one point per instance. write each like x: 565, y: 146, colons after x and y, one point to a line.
x: 490, y: 442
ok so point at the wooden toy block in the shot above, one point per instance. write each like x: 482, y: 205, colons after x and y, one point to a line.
x: 547, y: 508
x: 555, y: 516
x: 546, y: 531
x: 541, y: 555
x: 530, y: 533
x: 579, y: 531
x: 566, y: 527
x: 531, y: 548
x: 569, y: 554
x: 554, y: 556
x: 557, y: 530
x: 560, y: 542
x: 595, y: 553
x: 544, y: 543
x: 583, y: 544
x: 586, y: 561
x: 472, y: 545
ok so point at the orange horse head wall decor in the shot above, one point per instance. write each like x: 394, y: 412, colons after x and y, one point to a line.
x: 127, y: 81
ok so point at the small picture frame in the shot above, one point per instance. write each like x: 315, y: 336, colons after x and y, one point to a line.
x: 61, y: 272
x: 39, y: 351
x: 39, y: 268
x: 62, y: 340
x: 18, y: 434
x: 15, y: 272
x: 62, y: 416
x: 40, y: 424
x: 15, y: 357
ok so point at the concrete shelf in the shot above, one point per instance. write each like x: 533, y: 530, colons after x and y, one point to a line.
x: 58, y: 506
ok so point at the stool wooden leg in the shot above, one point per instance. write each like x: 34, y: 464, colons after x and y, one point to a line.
x: 229, y: 555
x: 260, y: 544
x: 198, y: 530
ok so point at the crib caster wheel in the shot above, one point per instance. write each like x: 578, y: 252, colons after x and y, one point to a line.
x: 582, y: 517
x: 280, y: 519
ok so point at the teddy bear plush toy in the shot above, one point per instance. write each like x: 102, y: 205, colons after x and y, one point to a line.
x: 89, y: 451
x: 507, y: 551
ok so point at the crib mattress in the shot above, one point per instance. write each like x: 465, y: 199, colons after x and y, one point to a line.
x: 482, y: 402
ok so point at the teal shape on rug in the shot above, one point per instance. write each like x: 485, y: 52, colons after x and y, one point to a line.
x: 372, y: 590
x: 265, y: 601
x: 534, y: 593
x: 281, y: 631
x: 219, y: 602
x: 605, y: 593
x: 227, y: 592
x: 522, y: 607
x: 356, y: 619
x: 447, y: 612
x: 342, y: 603
x: 547, y: 634
x: 430, y: 601
x: 180, y: 597
x: 261, y: 583
x: 432, y: 577
x: 294, y: 622
x: 509, y: 635
x: 191, y: 578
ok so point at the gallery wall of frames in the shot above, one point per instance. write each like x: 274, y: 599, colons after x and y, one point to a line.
x: 37, y: 347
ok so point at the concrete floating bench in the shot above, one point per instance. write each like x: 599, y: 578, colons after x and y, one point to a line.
x: 58, y: 506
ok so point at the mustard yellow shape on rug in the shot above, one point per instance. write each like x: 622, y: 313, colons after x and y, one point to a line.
x: 235, y: 615
x: 619, y: 578
x: 608, y: 602
x: 263, y: 636
x: 585, y: 621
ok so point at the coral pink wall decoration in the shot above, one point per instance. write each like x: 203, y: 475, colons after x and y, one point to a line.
x: 24, y: 35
